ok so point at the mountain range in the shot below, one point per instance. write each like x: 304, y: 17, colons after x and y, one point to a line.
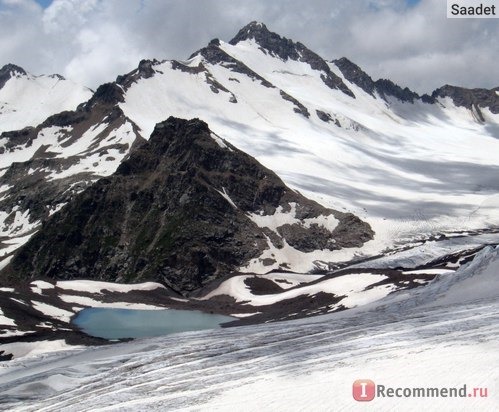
x: 217, y: 175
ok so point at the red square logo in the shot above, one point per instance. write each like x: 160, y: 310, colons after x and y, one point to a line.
x: 363, y: 390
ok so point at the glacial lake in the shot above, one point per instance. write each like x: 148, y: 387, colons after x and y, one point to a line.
x: 111, y: 323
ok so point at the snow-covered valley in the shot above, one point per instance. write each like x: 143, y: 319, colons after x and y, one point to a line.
x: 443, y: 335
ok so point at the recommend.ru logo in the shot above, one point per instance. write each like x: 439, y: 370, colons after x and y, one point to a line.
x: 365, y: 390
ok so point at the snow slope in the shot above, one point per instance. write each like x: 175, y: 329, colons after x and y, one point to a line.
x: 353, y: 287
x: 27, y: 100
x: 299, y: 365
x: 410, y: 169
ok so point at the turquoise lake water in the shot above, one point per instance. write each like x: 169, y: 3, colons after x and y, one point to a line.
x: 110, y: 323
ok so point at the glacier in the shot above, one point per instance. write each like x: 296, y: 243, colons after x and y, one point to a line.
x: 443, y: 335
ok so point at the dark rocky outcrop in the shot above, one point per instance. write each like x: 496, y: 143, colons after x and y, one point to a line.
x: 356, y: 75
x: 107, y: 94
x: 215, y: 55
x: 215, y: 86
x: 145, y: 70
x: 470, y: 98
x: 268, y: 41
x: 388, y: 88
x: 327, y: 118
x: 426, y: 98
x: 164, y: 215
x: 299, y: 107
x: 7, y: 71
x: 17, y: 138
x: 383, y: 87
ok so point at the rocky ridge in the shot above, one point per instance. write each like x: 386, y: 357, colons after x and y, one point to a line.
x: 180, y: 210
x: 45, y: 166
x: 471, y: 99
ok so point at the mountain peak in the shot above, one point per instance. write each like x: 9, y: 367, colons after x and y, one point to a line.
x: 107, y: 93
x: 8, y: 68
x: 269, y: 41
x: 6, y: 73
x: 287, y: 49
x: 190, y: 199
x: 253, y: 30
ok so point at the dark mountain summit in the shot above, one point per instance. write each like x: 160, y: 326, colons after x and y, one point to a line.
x: 471, y: 98
x: 383, y: 87
x: 268, y: 41
x: 145, y: 70
x: 178, y: 211
x: 7, y: 71
x: 285, y: 49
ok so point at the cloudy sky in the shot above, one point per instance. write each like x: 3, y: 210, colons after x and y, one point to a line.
x: 92, y: 41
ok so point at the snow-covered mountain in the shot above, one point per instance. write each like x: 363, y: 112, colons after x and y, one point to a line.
x: 44, y: 166
x: 411, y: 166
x: 184, y: 208
x: 421, y: 171
x: 27, y: 100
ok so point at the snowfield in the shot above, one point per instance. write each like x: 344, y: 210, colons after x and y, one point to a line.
x: 353, y: 286
x: 27, y: 100
x: 409, y: 169
x: 443, y: 335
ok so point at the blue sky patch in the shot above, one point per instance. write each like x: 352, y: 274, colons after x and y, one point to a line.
x: 412, y: 2
x: 44, y: 3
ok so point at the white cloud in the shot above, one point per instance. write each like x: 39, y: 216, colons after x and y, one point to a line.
x: 92, y: 41
x: 67, y: 16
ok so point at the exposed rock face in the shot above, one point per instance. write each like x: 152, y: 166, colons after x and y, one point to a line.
x: 299, y: 108
x: 215, y: 55
x: 47, y: 178
x: 145, y: 70
x: 178, y: 210
x: 388, y: 88
x: 471, y: 98
x: 269, y: 41
x: 356, y: 75
x: 385, y: 88
x: 7, y: 71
